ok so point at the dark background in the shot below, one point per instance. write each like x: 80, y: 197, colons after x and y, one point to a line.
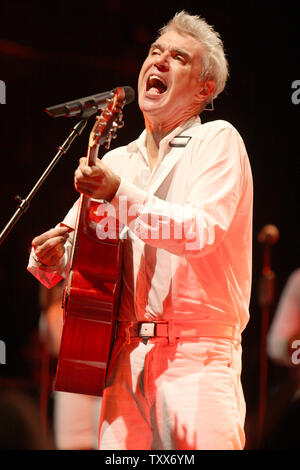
x: 51, y: 52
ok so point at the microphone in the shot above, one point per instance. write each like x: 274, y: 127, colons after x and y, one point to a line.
x: 86, y: 107
x: 268, y: 235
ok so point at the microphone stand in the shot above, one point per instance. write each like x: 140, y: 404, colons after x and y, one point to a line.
x: 24, y: 203
x: 268, y: 237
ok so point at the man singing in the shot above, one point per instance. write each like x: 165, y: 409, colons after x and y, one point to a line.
x: 173, y: 380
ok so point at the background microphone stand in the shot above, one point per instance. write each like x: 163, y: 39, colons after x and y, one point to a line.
x: 268, y: 236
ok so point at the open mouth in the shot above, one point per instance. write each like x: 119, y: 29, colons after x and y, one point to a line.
x: 156, y: 85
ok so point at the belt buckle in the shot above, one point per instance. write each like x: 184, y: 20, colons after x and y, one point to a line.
x: 147, y: 329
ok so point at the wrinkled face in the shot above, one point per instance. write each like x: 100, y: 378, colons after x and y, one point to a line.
x: 169, y: 84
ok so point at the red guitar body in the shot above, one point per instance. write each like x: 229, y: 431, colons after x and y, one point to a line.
x: 91, y: 299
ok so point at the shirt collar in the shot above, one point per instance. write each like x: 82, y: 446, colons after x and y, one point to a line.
x: 140, y: 142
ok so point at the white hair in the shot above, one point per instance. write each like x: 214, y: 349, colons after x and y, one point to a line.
x: 215, y: 65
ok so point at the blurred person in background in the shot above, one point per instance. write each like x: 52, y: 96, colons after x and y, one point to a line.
x: 283, y: 347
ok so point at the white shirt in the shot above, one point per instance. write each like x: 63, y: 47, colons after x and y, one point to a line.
x: 188, y: 248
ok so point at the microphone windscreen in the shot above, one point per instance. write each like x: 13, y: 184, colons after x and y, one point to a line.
x: 269, y: 234
x: 129, y: 94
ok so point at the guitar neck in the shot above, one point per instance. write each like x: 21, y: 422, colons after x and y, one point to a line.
x: 92, y: 154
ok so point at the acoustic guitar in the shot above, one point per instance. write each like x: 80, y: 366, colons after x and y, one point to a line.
x: 91, y: 294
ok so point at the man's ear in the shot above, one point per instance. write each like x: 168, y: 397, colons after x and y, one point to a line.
x: 206, y: 89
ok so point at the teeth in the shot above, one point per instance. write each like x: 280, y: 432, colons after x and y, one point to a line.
x: 155, y: 77
x: 156, y: 82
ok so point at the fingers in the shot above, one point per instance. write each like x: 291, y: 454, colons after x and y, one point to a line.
x: 54, y: 232
x: 86, y: 172
x: 49, y: 246
x: 88, y: 179
x: 96, y: 181
x: 52, y: 244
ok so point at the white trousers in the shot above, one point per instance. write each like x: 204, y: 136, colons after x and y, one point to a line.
x: 163, y: 396
x: 76, y: 421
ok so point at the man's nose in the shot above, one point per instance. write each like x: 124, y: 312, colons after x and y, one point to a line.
x: 162, y: 62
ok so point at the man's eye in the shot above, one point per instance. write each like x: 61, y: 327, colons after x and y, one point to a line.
x: 155, y: 52
x: 180, y: 58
